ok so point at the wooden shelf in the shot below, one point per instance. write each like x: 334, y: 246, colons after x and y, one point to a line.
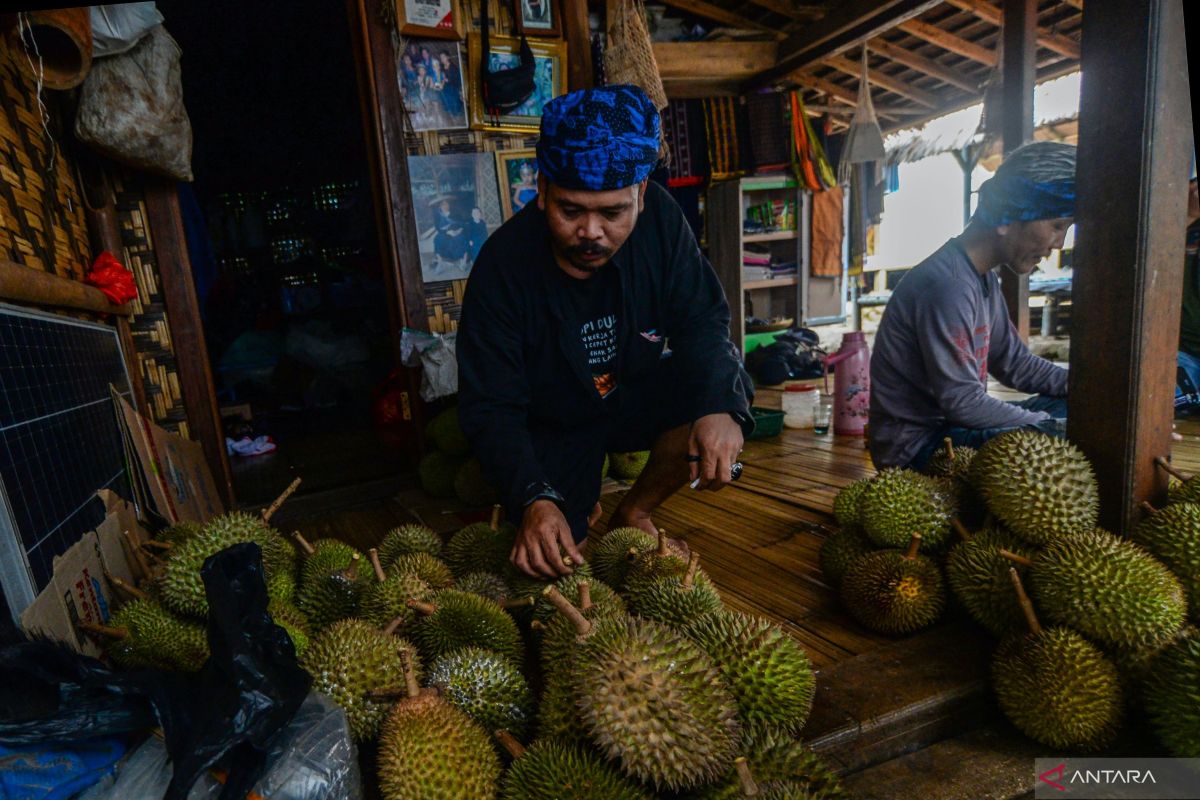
x: 770, y: 283
x: 775, y: 236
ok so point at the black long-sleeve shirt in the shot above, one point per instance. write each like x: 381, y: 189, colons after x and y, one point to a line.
x: 524, y: 383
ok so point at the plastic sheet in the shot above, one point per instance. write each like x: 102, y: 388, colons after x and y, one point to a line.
x: 116, y: 28
x: 437, y: 354
x: 113, y: 278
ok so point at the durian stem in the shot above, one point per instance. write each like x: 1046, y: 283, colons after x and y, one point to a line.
x: 351, y: 572
x: 1016, y: 559
x: 105, y: 631
x: 745, y: 777
x: 495, y: 523
x: 139, y: 557
x: 390, y: 629
x: 1149, y: 509
x: 632, y: 554
x: 537, y: 625
x: 663, y: 550
x: 279, y: 501
x: 583, y: 626
x: 154, y: 544
x: 373, y: 554
x: 420, y: 606
x: 914, y: 544
x: 585, y: 595
x: 387, y: 694
x: 689, y: 577
x: 509, y: 743
x: 1031, y: 619
x: 517, y: 602
x: 303, y: 544
x: 949, y: 447
x: 567, y: 560
x: 410, y: 675
x: 960, y: 529
x: 127, y: 588
x: 1170, y: 470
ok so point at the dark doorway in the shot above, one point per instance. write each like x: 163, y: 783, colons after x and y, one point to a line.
x: 282, y: 232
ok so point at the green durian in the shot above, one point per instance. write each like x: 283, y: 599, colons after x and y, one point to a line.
x: 293, y: 621
x: 424, y: 566
x: 783, y: 769
x: 452, y: 620
x: 480, y: 546
x: 383, y: 602
x: 327, y: 598
x: 1172, y: 535
x: 1041, y: 487
x: 277, y: 552
x: 326, y: 557
x: 407, y: 539
x: 610, y: 554
x: 894, y: 592
x: 979, y: 577
x: 282, y: 586
x: 846, y: 504
x: 898, y: 503
x: 838, y: 550
x: 484, y: 584
x: 486, y: 686
x: 950, y: 461
x: 598, y: 593
x: 437, y: 470
x: 157, y: 638
x: 522, y: 585
x: 1172, y: 695
x: 447, y: 434
x: 674, y: 600
x: 553, y: 770
x: 180, y: 532
x: 472, y: 487
x: 627, y: 466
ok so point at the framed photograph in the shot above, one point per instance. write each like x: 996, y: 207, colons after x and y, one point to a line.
x: 431, y: 81
x: 517, y: 171
x: 549, y: 77
x: 438, y: 18
x: 457, y: 207
x: 540, y: 18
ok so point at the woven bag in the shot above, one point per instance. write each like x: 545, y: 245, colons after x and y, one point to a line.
x: 630, y: 57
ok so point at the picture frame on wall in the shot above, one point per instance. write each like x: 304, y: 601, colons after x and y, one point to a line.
x: 439, y: 19
x: 550, y: 80
x: 540, y: 17
x: 517, y: 172
x: 431, y: 77
x: 457, y: 206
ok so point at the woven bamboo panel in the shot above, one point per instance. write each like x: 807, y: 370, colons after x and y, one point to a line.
x: 41, y: 219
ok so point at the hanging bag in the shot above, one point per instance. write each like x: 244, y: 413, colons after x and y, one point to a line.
x: 504, y: 89
x: 630, y: 59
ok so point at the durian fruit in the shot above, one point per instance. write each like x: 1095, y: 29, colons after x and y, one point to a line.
x: 407, y: 539
x: 323, y: 557
x: 451, y: 620
x: 978, y: 575
x: 554, y: 770
x: 558, y: 718
x: 437, y: 470
x: 1187, y: 490
x: 781, y: 768
x: 846, y: 504
x: 667, y: 560
x: 1171, y: 697
x: 894, y: 592
x: 386, y: 600
x: 627, y: 466
x: 1108, y: 589
x: 610, y: 554
x: 839, y: 549
x: 769, y: 673
x: 484, y: 584
x: 350, y: 661
x: 674, y: 600
x: 1041, y: 487
x: 282, y: 586
x: 581, y: 589
x: 179, y: 533
x: 151, y: 636
x: 472, y: 487
x: 325, y: 599
x: 487, y: 687
x: 293, y: 622
x: 522, y: 585
x: 950, y: 461
x: 480, y: 546
x: 1172, y: 535
x: 446, y: 433
x: 429, y: 750
x: 237, y: 526
x: 651, y: 700
x: 898, y: 502
x: 424, y: 566
x: 1056, y: 686
x: 559, y: 634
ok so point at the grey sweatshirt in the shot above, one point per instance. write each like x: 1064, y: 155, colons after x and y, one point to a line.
x: 944, y: 330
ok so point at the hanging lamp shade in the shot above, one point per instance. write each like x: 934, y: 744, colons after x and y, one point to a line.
x: 864, y: 141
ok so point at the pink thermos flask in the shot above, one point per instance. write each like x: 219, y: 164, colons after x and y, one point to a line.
x: 851, y: 384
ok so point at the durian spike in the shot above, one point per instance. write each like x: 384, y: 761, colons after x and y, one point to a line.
x: 949, y: 447
x: 1149, y: 509
x: 420, y: 606
x: 509, y: 743
x: 410, y: 676
x: 392, y: 626
x: 663, y: 550
x: 270, y: 510
x: 105, y: 631
x: 690, y: 576
x: 1170, y: 470
x: 518, y: 602
x: 583, y: 626
x: 1031, y: 619
x: 960, y: 529
x: 495, y: 523
x: 154, y: 544
x: 303, y: 544
x: 373, y: 554
x: 1016, y: 559
x: 127, y: 588
x: 914, y: 544
x: 745, y: 777
x: 585, y: 595
x: 139, y: 556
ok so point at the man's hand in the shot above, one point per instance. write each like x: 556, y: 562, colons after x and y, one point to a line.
x: 544, y: 530
x: 717, y: 439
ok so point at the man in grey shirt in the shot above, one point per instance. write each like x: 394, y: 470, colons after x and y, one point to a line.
x: 946, y: 328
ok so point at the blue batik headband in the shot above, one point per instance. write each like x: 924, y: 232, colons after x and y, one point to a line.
x: 1036, y: 181
x: 599, y: 139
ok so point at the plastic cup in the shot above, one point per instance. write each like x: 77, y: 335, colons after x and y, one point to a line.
x: 822, y: 416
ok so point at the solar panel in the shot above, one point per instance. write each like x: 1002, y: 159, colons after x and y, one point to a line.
x: 59, y: 441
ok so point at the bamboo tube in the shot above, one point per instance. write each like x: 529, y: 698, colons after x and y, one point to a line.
x: 1031, y: 619
x: 373, y: 554
x: 1016, y: 559
x: 279, y: 501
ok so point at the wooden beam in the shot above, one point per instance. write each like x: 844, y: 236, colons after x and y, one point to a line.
x: 1016, y: 126
x: 1129, y: 247
x: 921, y: 64
x: 164, y: 223
x: 990, y: 12
x: 848, y: 96
x: 789, y: 8
x: 948, y: 41
x: 1075, y: 4
x: 712, y: 60
x: 579, y: 44
x: 717, y: 14
x: 883, y: 80
x: 850, y: 24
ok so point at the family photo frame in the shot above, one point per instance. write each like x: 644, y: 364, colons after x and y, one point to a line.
x: 439, y: 19
x: 550, y: 81
x: 517, y: 172
x: 540, y: 17
x: 432, y: 84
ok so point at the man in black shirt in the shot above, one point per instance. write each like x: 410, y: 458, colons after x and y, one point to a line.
x: 563, y: 342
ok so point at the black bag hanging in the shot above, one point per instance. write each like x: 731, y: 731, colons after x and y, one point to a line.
x: 508, y: 88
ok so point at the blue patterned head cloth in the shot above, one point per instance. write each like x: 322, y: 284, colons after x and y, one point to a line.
x: 598, y: 139
x: 1036, y: 181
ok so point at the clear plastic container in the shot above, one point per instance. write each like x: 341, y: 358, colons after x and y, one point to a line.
x: 799, y: 402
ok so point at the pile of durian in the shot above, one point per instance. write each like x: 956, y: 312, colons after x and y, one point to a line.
x: 627, y: 679
x: 1104, y: 628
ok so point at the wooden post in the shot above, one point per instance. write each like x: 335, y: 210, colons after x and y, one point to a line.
x: 579, y: 44
x: 1131, y: 182
x: 1018, y: 68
